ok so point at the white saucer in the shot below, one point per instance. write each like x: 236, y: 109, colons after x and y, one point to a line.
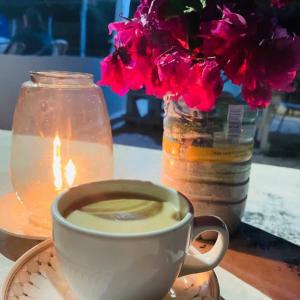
x: 36, y: 275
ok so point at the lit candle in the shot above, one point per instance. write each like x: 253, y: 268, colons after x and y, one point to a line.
x: 69, y: 169
x: 70, y: 172
x: 56, y: 166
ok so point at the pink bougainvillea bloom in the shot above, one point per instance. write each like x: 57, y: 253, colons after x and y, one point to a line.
x: 143, y: 10
x: 175, y: 28
x: 276, y: 61
x: 259, y: 97
x: 150, y: 15
x: 220, y: 36
x: 172, y: 70
x: 162, y: 53
x: 118, y: 72
x: 112, y: 74
x: 281, y: 3
x: 143, y: 45
x: 271, y: 66
x: 205, y: 85
x: 153, y: 84
x: 259, y: 58
x: 126, y: 32
x: 130, y: 65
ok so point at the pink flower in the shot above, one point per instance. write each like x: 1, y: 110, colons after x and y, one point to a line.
x: 139, y: 47
x: 258, y: 56
x: 121, y: 73
x: 161, y: 50
x: 129, y: 66
x: 153, y: 84
x: 166, y: 73
x: 270, y: 66
x: 281, y: 3
x: 126, y: 32
x: 204, y: 85
x: 110, y: 66
x: 276, y: 60
x: 150, y: 13
x: 259, y: 97
x: 173, y: 69
x: 143, y: 10
x: 175, y: 28
x: 220, y: 36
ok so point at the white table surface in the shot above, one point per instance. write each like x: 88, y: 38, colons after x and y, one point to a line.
x: 273, y: 203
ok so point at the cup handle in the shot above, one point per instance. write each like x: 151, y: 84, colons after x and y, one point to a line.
x: 196, y: 262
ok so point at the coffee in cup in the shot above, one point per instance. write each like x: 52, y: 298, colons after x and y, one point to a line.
x: 124, y: 213
x: 139, y: 262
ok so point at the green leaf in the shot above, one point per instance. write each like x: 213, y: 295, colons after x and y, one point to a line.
x: 189, y: 9
x: 173, y: 8
x: 204, y: 3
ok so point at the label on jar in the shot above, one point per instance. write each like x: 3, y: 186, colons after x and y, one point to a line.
x: 228, y: 153
x: 234, y: 120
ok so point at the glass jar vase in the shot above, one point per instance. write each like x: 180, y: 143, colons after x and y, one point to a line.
x: 207, y: 156
x: 61, y: 137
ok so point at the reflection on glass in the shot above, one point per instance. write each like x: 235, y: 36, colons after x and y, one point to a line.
x: 61, y: 137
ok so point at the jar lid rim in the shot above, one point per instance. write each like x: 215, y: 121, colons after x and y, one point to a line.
x: 61, y: 74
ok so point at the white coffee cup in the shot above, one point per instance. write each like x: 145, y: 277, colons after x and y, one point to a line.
x: 139, y: 266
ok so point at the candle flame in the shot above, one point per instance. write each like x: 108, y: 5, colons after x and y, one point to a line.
x: 56, y: 166
x: 70, y: 172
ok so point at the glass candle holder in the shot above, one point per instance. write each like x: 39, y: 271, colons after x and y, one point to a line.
x: 61, y: 137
